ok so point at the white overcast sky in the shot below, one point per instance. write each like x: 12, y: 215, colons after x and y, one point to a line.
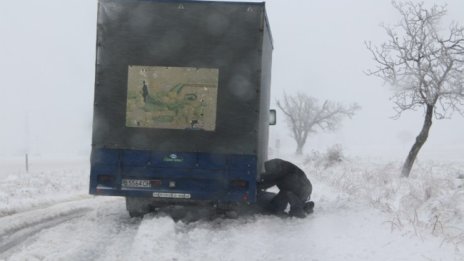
x: 47, y: 54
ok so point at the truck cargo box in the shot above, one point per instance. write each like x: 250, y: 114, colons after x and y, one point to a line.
x: 182, y: 95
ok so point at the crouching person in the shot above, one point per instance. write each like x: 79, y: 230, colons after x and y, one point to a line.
x: 295, y: 189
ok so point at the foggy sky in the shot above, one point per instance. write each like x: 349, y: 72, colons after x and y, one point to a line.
x: 47, y: 63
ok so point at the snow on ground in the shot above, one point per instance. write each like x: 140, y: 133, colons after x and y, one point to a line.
x: 48, y: 181
x: 430, y: 201
x: 362, y: 213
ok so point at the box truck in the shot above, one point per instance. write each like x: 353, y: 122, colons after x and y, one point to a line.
x: 181, y: 107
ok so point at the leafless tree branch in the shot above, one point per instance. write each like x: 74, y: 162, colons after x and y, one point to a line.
x: 423, y: 63
x: 305, y: 115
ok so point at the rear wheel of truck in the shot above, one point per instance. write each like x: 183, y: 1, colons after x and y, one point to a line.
x: 137, y: 207
x: 227, y: 210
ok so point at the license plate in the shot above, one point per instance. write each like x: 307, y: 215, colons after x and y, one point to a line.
x: 135, y: 183
x: 171, y: 195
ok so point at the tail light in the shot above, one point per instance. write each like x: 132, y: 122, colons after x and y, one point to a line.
x: 239, y: 184
x: 245, y: 196
x: 105, y: 180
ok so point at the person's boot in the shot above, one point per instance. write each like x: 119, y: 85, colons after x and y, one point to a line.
x: 299, y: 213
x: 309, y: 207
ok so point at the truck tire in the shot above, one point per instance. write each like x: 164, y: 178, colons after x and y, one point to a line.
x: 137, y: 207
x: 227, y: 210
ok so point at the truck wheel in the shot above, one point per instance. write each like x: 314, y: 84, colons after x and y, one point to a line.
x: 229, y: 211
x: 137, y: 207
x: 232, y: 214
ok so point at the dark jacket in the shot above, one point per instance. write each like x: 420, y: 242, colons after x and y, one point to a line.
x: 287, y: 177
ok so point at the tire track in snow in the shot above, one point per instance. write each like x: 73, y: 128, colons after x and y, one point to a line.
x: 43, y: 205
x: 16, y: 237
x: 18, y: 229
x: 113, y: 232
x: 102, y: 231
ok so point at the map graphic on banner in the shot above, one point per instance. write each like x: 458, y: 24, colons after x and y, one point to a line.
x: 172, y: 97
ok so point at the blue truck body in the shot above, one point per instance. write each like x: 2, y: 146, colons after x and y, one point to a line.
x: 201, y: 176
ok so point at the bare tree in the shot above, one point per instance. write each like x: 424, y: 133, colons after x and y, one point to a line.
x: 424, y: 64
x: 306, y: 115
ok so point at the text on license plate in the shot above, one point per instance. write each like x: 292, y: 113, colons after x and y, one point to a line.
x: 135, y: 183
x: 171, y: 195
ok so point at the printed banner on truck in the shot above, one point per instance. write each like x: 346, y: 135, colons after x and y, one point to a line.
x: 172, y: 97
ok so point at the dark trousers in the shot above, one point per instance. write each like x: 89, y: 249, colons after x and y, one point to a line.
x: 277, y: 203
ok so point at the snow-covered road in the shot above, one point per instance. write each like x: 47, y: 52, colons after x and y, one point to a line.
x: 100, y: 229
x: 81, y: 227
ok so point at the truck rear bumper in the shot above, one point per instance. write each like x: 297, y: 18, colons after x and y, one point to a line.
x: 170, y: 196
x: 191, y: 177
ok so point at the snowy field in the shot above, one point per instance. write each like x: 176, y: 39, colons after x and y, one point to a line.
x: 364, y: 211
x: 49, y: 181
